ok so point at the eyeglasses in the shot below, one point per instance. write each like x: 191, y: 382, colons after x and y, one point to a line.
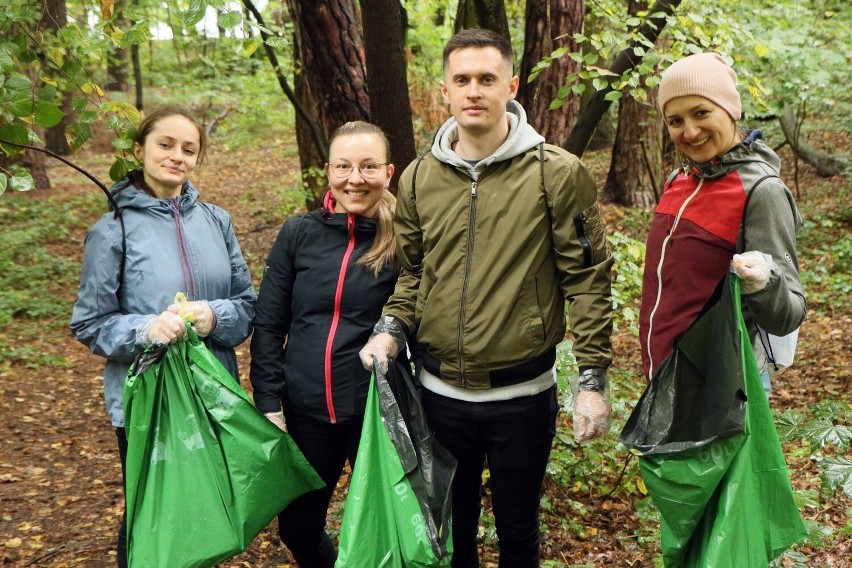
x: 367, y: 170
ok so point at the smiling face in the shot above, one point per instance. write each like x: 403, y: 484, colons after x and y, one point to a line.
x: 700, y: 129
x: 169, y: 152
x: 478, y: 83
x: 354, y: 192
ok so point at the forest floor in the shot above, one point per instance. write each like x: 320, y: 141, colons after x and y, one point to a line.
x: 60, y: 481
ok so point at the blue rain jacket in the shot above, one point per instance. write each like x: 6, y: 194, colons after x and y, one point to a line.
x: 173, y: 245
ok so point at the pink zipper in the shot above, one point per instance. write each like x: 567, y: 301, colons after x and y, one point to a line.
x: 335, y: 319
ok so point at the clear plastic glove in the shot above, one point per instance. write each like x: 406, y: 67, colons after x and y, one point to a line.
x: 167, y: 328
x: 199, y: 313
x: 277, y: 418
x: 754, y: 269
x: 387, y: 340
x: 592, y: 412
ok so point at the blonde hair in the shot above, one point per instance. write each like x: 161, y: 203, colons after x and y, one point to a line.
x: 383, y: 250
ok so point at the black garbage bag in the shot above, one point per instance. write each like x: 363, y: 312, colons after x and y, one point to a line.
x: 697, y: 395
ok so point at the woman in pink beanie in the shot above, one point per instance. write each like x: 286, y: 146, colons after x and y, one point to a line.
x: 725, y: 199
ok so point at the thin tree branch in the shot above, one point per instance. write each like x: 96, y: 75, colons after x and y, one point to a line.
x: 67, y: 162
x: 316, y: 133
x: 591, y: 116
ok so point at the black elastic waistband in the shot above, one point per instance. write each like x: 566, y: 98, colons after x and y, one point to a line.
x: 506, y: 376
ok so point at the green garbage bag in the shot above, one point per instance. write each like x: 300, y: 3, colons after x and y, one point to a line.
x: 397, y: 512
x: 206, y: 471
x: 723, y: 493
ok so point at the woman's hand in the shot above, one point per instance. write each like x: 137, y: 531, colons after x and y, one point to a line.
x: 167, y: 328
x: 277, y: 418
x: 199, y: 313
x: 754, y: 269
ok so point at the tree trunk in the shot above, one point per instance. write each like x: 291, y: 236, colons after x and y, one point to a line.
x: 636, y: 166
x: 550, y: 25
x: 311, y: 155
x: 636, y: 163
x: 55, y: 17
x: 137, y: 70
x: 826, y: 165
x: 487, y: 14
x: 591, y: 115
x: 331, y: 64
x: 117, y: 56
x: 387, y: 78
x: 32, y: 160
x: 332, y: 56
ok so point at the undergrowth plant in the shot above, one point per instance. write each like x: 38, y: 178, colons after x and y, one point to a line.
x: 35, y: 278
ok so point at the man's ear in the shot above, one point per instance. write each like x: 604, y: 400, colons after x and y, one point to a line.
x: 513, y: 87
x: 444, y: 94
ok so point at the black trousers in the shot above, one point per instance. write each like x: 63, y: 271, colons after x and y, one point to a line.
x: 515, y: 437
x: 302, y: 524
x: 121, y: 545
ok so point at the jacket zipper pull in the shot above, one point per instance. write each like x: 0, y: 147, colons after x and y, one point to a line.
x: 473, y: 185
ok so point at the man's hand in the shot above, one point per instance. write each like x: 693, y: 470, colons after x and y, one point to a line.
x: 754, y: 269
x: 592, y: 413
x: 383, y: 347
x: 387, y: 341
x: 592, y: 416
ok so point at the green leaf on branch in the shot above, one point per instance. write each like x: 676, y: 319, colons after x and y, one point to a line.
x: 4, y: 181
x: 16, y: 133
x: 120, y: 168
x: 140, y: 33
x: 229, y: 19
x: 122, y: 110
x: 48, y: 114
x: 195, y: 14
x: 78, y: 134
x: 122, y: 143
x: 837, y: 472
x: 21, y: 181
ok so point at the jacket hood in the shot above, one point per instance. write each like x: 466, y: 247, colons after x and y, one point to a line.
x: 522, y: 137
x: 751, y: 149
x: 129, y: 196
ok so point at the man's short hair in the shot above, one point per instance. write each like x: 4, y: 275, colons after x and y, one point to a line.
x: 479, y: 38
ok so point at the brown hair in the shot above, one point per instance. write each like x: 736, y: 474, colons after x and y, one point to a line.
x: 383, y: 249
x: 477, y: 37
x: 147, y: 125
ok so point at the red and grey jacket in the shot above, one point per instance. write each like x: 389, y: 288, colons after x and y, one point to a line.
x: 697, y: 228
x: 316, y: 309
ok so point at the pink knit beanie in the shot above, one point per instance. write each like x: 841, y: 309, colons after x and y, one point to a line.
x: 707, y: 75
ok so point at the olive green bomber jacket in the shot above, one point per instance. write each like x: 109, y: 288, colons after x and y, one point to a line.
x: 488, y: 265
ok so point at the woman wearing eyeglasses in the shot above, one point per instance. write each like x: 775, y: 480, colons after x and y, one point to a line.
x: 327, y: 277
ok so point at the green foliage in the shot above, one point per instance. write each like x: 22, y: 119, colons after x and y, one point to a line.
x: 824, y: 428
x: 837, y: 473
x: 629, y: 255
x: 34, y: 281
x: 828, y: 277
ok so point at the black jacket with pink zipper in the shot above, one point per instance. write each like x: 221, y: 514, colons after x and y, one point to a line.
x: 317, y: 297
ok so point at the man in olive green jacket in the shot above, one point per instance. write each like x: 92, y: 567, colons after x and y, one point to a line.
x: 495, y: 232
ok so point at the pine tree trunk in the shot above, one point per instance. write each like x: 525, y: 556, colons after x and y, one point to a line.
x: 330, y: 75
x: 384, y: 52
x: 487, y: 14
x: 550, y: 25
x: 55, y: 17
x: 636, y: 164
